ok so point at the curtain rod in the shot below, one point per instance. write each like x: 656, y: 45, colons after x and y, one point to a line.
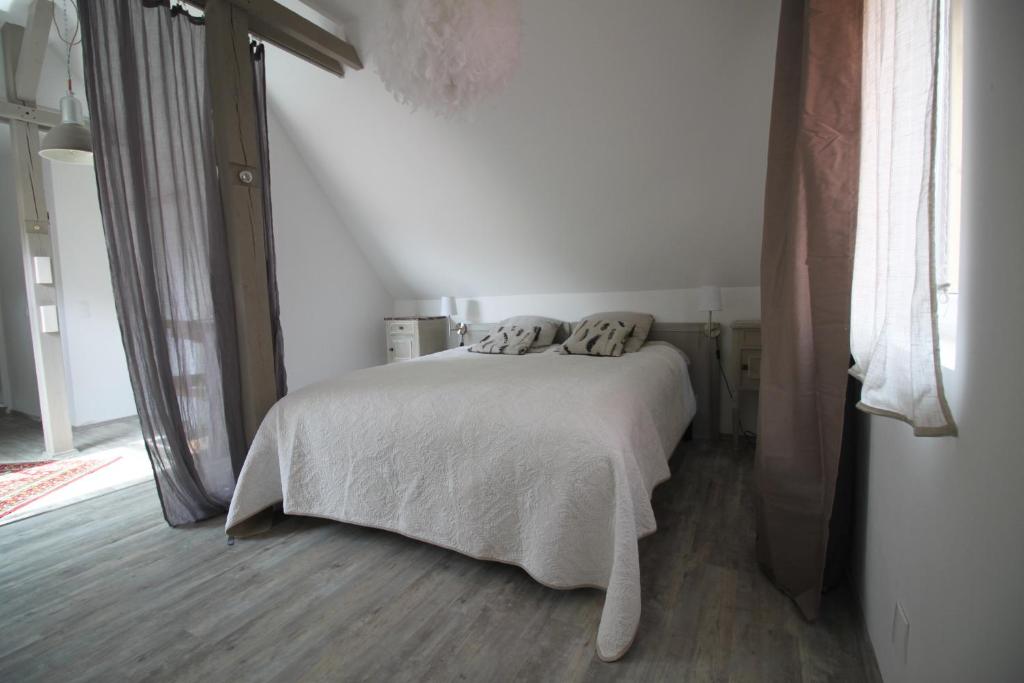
x: 176, y: 9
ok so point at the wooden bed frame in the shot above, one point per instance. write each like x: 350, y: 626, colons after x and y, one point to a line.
x: 693, y: 340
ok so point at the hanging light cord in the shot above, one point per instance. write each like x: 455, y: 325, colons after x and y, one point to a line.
x: 75, y: 37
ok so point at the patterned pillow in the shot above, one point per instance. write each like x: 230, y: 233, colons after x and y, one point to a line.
x: 510, y: 340
x: 598, y: 337
x: 639, y: 323
x: 547, y: 327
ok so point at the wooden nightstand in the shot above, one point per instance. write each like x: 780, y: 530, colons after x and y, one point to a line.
x: 415, y: 336
x: 744, y: 369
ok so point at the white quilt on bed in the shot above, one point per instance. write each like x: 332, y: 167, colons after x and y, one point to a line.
x: 544, y: 461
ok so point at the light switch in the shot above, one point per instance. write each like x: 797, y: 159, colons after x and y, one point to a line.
x: 48, y: 319
x: 44, y: 270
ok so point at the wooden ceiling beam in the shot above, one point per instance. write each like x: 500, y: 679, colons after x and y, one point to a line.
x: 242, y: 188
x: 290, y: 31
x: 43, y: 117
x: 33, y: 51
x: 286, y: 24
x: 301, y: 50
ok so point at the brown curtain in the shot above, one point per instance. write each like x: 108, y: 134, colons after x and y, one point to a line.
x: 806, y: 271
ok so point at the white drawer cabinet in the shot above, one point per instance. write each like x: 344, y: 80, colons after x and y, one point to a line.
x: 409, y: 338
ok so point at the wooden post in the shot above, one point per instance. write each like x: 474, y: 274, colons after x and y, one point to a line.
x: 34, y: 223
x: 241, y: 190
x: 29, y: 114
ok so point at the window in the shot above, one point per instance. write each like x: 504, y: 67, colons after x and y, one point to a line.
x: 908, y: 211
x: 949, y: 276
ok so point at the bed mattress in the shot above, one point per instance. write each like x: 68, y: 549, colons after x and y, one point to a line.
x: 542, y: 460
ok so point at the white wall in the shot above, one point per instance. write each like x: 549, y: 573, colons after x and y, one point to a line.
x: 635, y: 179
x: 670, y: 305
x: 333, y: 304
x: 17, y: 336
x: 627, y: 153
x: 94, y: 360
x: 942, y: 520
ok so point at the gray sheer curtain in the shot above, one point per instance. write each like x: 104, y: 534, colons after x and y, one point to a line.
x: 259, y: 73
x: 145, y: 76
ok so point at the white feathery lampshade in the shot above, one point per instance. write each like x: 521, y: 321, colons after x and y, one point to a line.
x: 709, y: 298
x: 446, y: 55
x: 448, y: 308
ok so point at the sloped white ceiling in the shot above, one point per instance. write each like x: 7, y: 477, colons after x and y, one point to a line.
x: 627, y: 153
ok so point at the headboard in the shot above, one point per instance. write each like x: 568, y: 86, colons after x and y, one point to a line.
x: 692, y: 339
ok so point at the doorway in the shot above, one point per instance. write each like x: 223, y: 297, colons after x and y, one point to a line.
x: 107, y: 450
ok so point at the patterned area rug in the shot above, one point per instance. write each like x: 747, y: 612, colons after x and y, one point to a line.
x: 24, y: 482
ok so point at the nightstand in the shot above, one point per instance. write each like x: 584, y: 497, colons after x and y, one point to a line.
x: 744, y: 369
x: 415, y: 336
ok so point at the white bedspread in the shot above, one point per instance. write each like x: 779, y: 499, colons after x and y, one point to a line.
x: 542, y: 461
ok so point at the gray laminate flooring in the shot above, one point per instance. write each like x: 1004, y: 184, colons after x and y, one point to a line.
x: 104, y: 590
x: 21, y: 437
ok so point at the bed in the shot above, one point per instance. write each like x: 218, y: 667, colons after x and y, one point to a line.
x: 542, y: 461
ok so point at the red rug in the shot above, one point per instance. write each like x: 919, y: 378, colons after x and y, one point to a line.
x: 22, y: 483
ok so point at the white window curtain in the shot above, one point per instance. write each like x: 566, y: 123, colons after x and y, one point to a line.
x: 899, y: 262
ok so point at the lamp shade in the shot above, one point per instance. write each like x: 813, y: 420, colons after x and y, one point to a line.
x: 448, y: 306
x: 70, y: 141
x: 709, y: 298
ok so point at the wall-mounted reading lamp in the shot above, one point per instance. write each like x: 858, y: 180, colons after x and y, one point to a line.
x: 448, y: 309
x: 709, y: 300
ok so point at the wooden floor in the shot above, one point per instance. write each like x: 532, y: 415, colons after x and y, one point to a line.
x: 21, y: 437
x: 104, y: 590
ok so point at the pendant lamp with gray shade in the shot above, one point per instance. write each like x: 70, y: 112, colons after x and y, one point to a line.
x: 70, y: 141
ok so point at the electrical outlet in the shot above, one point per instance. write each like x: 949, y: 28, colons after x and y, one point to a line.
x: 900, y: 632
